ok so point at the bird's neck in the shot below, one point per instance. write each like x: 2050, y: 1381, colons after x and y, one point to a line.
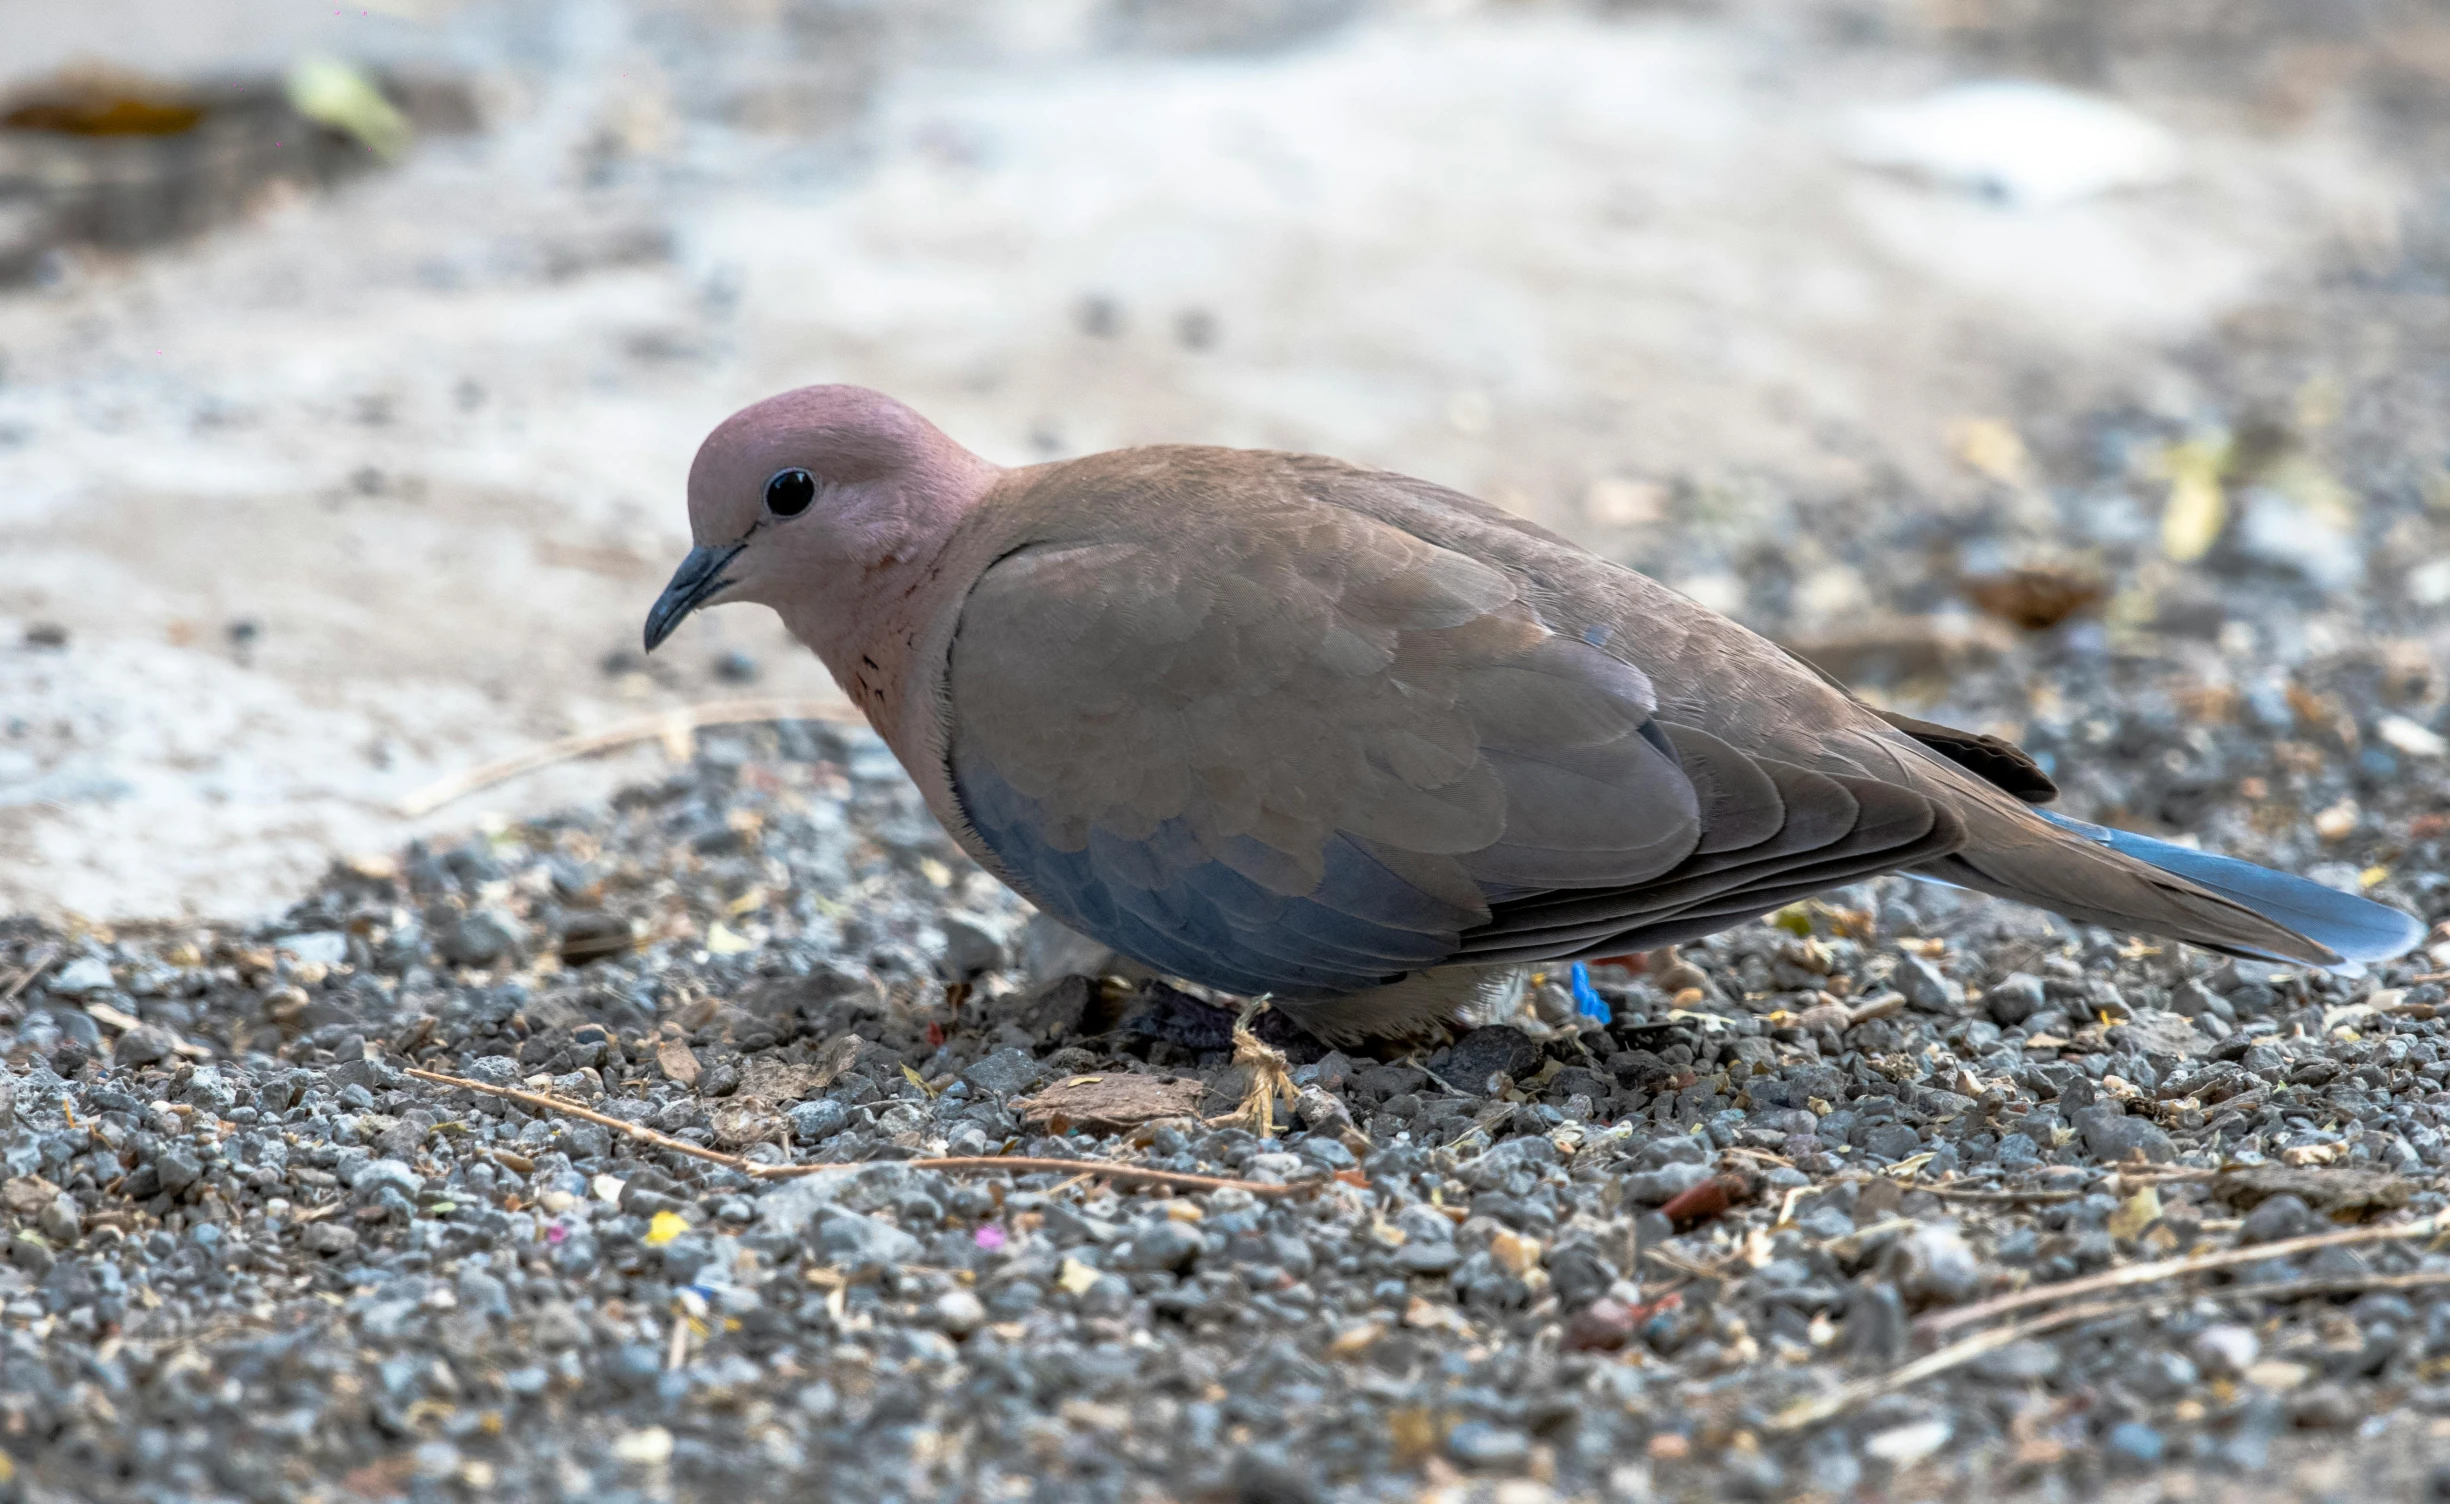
x: 871, y: 635
x: 871, y: 647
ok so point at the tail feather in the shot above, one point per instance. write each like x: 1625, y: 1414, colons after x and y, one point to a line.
x: 2120, y: 880
x: 2356, y: 929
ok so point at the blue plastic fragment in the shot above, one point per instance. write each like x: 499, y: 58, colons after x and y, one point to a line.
x: 1587, y: 1001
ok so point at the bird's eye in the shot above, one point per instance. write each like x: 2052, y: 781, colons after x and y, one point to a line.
x: 789, y: 492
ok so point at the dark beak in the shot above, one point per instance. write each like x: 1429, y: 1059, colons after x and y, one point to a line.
x: 700, y: 575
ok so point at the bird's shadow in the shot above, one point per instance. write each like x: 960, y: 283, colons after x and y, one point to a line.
x: 1155, y: 1012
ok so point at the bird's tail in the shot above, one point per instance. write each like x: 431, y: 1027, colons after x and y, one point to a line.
x: 2097, y: 875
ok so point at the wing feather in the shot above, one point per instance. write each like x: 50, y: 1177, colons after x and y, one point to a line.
x: 1312, y: 758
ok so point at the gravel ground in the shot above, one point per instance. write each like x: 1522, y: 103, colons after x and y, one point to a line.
x: 253, y: 1257
x: 1764, y: 1234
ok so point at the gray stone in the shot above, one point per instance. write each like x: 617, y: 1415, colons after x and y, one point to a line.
x: 2110, y: 1135
x: 2327, y: 1406
x: 1268, y: 1477
x: 27, y: 1252
x: 959, y: 1312
x: 60, y: 1221
x: 1933, y: 1266
x: 81, y: 977
x: 1384, y: 1081
x: 1325, y: 1152
x: 207, y: 1089
x: 1276, y: 1167
x: 842, y: 1237
x: 1487, y: 1051
x: 481, y: 939
x: 1005, y: 1073
x: 1876, y: 1324
x: 1926, y: 990
x: 493, y: 1070
x: 2132, y: 1447
x: 972, y: 946
x: 482, y: 1292
x: 380, y: 1175
x: 146, y: 1044
x: 791, y: 1206
x: 2227, y: 1348
x: 177, y: 1168
x: 1488, y: 1446
x: 2197, y: 1001
x: 328, y: 1239
x: 373, y: 1075
x: 1013, y: 1301
x: 2276, y: 1217
x: 814, y: 1122
x: 1068, y: 1227
x: 1226, y: 28
x: 317, y: 947
x: 1161, y: 1244
x: 1891, y: 1141
x: 2163, y: 1376
x: 1428, y: 1258
x: 1674, y: 1149
x: 1655, y: 1187
x: 1531, y: 1151
x: 2017, y: 997
x: 1050, y: 951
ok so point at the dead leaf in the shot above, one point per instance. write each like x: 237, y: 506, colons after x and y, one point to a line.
x: 1425, y: 1314
x: 739, y: 1123
x: 1113, y: 1103
x: 778, y: 1082
x: 2136, y: 1213
x: 2035, y: 599
x: 27, y: 1195
x: 1355, y: 1339
x: 2154, y: 1031
x: 834, y: 1060
x: 1412, y: 1434
x: 677, y: 1061
x: 1992, y: 448
x: 2342, y: 1191
x: 1877, y: 646
x: 1516, y: 1254
x: 2197, y: 509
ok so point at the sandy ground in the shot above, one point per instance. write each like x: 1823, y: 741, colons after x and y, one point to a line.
x: 420, y: 442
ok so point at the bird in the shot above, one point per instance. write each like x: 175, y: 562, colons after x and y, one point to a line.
x: 1366, y: 747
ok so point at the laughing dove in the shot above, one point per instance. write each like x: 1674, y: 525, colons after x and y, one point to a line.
x: 1291, y: 727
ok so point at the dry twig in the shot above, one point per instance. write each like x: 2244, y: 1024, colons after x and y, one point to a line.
x: 2177, y: 1268
x: 669, y: 724
x: 1996, y: 1198
x: 2115, y: 1184
x: 1693, y: 1268
x: 1845, y: 1397
x: 1010, y: 1163
x: 25, y: 978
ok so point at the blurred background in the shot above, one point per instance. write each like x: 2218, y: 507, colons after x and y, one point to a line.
x: 2068, y: 368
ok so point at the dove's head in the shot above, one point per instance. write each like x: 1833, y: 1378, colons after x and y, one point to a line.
x: 805, y: 502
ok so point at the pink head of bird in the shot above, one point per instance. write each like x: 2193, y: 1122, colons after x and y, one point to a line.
x: 807, y: 502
